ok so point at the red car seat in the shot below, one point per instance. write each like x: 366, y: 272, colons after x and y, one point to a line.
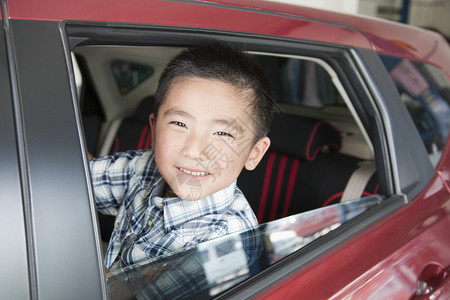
x: 302, y: 170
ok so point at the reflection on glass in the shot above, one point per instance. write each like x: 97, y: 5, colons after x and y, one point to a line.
x: 425, y: 91
x: 209, y: 268
x: 300, y: 82
x: 226, y: 262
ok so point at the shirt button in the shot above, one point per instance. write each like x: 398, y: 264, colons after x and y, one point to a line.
x: 149, y: 223
x: 117, y: 225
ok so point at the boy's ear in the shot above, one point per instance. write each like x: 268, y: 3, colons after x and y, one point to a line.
x: 257, y: 153
x: 152, y: 120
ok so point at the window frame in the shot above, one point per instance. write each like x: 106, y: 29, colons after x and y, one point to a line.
x: 353, y: 67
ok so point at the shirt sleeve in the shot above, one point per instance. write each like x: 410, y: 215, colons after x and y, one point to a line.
x: 111, y: 178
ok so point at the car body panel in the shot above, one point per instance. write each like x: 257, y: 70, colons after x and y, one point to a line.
x: 186, y: 15
x: 278, y: 19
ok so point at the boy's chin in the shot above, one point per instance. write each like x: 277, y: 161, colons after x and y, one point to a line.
x: 190, y: 194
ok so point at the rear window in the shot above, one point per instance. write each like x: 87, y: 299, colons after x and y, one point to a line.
x: 300, y: 82
x: 425, y: 91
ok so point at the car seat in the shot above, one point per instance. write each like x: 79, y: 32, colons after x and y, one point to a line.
x: 302, y: 170
x: 134, y: 131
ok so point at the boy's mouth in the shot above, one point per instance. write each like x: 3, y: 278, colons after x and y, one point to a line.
x: 193, y: 173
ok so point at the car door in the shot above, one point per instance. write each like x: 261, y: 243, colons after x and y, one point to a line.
x: 63, y: 235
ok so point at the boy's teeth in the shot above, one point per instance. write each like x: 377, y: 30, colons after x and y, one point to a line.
x: 193, y: 173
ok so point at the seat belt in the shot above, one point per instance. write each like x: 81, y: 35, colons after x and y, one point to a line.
x: 109, y: 137
x: 358, y: 181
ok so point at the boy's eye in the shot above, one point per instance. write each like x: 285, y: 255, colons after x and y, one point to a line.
x: 181, y: 124
x: 223, y: 133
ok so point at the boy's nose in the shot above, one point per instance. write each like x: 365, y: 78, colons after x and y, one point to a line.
x: 196, y: 148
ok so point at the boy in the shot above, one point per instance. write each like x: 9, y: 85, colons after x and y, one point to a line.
x: 213, y: 111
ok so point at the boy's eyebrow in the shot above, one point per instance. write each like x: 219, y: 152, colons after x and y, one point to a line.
x: 178, y: 112
x: 229, y: 124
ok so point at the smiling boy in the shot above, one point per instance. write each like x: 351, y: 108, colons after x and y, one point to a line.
x: 213, y: 111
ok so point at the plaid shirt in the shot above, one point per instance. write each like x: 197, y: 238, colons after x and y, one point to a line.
x: 130, y: 186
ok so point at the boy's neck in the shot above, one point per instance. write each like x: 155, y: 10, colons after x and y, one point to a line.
x: 168, y: 193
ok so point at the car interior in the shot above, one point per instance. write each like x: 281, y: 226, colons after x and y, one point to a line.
x: 320, y: 154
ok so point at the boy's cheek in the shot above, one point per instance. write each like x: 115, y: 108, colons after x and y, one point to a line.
x: 226, y: 161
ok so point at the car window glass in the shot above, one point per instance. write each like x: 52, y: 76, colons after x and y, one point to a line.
x: 300, y: 82
x: 425, y: 91
x: 209, y: 268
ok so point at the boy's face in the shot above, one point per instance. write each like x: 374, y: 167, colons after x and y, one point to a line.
x: 203, y: 137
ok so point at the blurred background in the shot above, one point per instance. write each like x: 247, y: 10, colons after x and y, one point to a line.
x: 432, y: 14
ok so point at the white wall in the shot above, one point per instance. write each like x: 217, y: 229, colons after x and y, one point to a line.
x: 347, y: 6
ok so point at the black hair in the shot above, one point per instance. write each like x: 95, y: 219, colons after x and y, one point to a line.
x: 219, y: 61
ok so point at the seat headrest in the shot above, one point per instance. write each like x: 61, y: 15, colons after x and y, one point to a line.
x: 144, y: 109
x: 302, y: 137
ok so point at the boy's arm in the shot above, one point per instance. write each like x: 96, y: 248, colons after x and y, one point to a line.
x: 110, y: 178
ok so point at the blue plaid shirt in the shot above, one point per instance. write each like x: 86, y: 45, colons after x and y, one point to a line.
x: 129, y: 186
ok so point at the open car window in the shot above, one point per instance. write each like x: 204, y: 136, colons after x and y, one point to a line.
x: 318, y: 173
x: 209, y: 268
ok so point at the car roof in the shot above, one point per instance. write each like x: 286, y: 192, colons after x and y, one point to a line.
x: 260, y: 17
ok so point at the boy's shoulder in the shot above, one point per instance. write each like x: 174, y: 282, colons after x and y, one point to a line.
x: 136, y: 160
x: 141, y: 161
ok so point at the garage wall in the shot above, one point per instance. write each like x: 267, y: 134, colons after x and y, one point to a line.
x: 423, y: 13
x: 431, y: 13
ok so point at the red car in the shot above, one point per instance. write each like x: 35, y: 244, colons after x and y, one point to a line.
x: 353, y: 196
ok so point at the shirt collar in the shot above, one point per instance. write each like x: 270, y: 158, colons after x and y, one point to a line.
x: 157, y: 191
x: 178, y: 211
